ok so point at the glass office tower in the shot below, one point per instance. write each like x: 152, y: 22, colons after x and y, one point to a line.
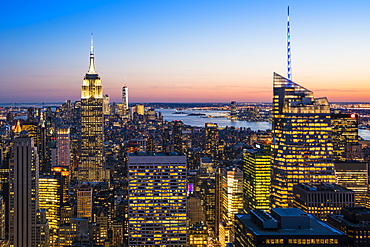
x: 302, y: 149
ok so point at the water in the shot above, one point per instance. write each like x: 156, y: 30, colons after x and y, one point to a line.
x: 199, y: 121
x: 365, y: 134
x: 218, y: 117
x: 36, y: 105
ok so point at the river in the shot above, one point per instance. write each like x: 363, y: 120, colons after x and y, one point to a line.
x: 219, y: 117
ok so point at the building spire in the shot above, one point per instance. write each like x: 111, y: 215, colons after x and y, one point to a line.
x: 288, y: 50
x: 92, y: 64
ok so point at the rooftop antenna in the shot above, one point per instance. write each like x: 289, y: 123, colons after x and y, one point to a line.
x: 288, y: 51
x: 92, y: 64
x: 92, y: 45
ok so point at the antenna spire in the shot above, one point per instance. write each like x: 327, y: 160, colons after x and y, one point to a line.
x: 92, y: 45
x: 92, y: 64
x: 288, y: 50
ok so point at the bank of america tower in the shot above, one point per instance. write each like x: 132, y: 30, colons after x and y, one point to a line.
x: 302, y: 150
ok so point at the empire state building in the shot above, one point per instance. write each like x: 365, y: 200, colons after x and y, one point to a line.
x: 91, y: 166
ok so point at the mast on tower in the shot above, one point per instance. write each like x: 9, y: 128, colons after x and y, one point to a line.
x: 92, y: 63
x: 288, y: 50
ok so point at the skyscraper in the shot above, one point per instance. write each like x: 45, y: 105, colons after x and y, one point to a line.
x: 106, y: 105
x: 257, y: 178
x: 345, y: 133
x: 302, y: 151
x: 63, y: 144
x: 157, y: 192
x: 354, y: 176
x: 50, y: 199
x: 91, y: 166
x: 125, y: 101
x: 233, y: 115
x: 231, y: 202
x: 24, y: 176
x: 211, y: 141
x: 84, y: 201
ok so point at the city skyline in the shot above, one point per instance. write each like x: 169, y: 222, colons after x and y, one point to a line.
x: 184, y: 52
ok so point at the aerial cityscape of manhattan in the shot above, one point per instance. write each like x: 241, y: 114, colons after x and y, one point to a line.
x: 184, y: 123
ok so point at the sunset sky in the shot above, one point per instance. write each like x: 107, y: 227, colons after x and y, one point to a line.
x: 183, y: 50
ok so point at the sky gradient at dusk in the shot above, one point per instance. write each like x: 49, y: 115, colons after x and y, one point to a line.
x: 183, y: 51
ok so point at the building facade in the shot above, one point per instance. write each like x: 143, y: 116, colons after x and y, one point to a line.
x: 211, y: 147
x: 63, y: 145
x: 231, y: 202
x: 85, y: 201
x: 354, y: 176
x: 257, y: 178
x: 321, y: 200
x: 24, y: 178
x: 125, y: 109
x: 302, y: 151
x: 157, y: 189
x: 50, y: 199
x: 345, y: 133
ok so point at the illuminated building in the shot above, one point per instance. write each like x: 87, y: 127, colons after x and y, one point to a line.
x: 66, y: 213
x: 63, y: 148
x: 24, y: 176
x: 64, y: 174
x: 117, y: 232
x: 198, y: 235
x: 207, y: 164
x: 42, y: 229
x: 195, y: 212
x: 31, y: 114
x: 209, y: 186
x: 79, y: 232
x: 50, y: 193
x: 106, y: 106
x: 91, y: 166
x: 39, y: 137
x: 140, y: 109
x: 211, y: 140
x: 353, y: 176
x: 344, y: 133
x: 84, y: 202
x: 355, y: 222
x: 17, y: 128
x: 2, y: 220
x: 181, y: 137
x: 125, y: 109
x: 157, y: 191
x: 150, y: 115
x: 63, y: 144
x: 285, y: 227
x: 257, y: 178
x: 231, y: 202
x: 233, y: 115
x: 354, y: 152
x: 102, y: 214
x: 321, y: 200
x: 176, y: 135
x: 302, y: 151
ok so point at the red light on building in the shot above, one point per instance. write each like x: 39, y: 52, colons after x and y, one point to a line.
x: 353, y: 115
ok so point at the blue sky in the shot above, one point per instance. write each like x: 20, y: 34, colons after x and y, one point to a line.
x: 183, y: 51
